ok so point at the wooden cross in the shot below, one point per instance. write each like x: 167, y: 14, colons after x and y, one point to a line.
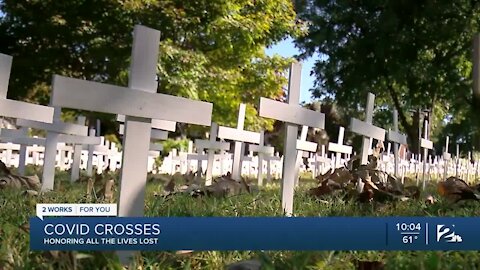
x: 426, y: 145
x: 397, y: 138
x: 19, y: 109
x: 339, y: 148
x: 140, y: 103
x: 239, y: 135
x: 262, y: 151
x: 211, y: 145
x: 293, y: 115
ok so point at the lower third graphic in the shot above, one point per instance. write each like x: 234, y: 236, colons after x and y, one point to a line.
x: 447, y: 234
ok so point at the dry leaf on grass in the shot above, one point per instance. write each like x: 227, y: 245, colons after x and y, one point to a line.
x: 455, y: 189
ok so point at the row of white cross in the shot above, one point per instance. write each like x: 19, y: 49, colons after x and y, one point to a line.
x: 185, y: 162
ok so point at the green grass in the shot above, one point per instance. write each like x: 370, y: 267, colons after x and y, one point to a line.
x: 16, y: 208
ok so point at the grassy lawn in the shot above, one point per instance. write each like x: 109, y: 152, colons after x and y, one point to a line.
x: 16, y: 208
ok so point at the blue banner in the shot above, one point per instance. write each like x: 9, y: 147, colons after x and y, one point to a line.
x: 254, y: 233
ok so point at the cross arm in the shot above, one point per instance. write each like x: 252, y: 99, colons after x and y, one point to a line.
x: 340, y: 148
x: 106, y: 98
x: 306, y: 146
x: 238, y: 135
x: 396, y: 137
x: 290, y: 113
x: 58, y: 127
x: 205, y: 144
x: 24, y: 140
x: 426, y: 144
x: 367, y: 129
x: 156, y: 123
x: 269, y: 150
x: 24, y: 110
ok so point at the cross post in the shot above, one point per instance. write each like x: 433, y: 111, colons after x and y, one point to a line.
x: 293, y: 115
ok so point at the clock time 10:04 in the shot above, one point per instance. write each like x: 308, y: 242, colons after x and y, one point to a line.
x: 408, y: 226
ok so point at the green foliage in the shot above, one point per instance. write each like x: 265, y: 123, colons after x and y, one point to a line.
x: 410, y: 54
x: 179, y: 144
x: 209, y: 50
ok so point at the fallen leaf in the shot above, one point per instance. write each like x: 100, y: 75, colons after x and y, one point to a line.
x: 455, y: 189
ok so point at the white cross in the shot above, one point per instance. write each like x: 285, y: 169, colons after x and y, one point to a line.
x: 397, y: 138
x: 293, y: 114
x: 239, y: 136
x: 367, y: 129
x: 303, y: 147
x: 55, y: 134
x: 210, y: 145
x: 425, y: 144
x: 140, y: 102
x: 19, y: 109
x: 262, y: 151
x: 339, y: 148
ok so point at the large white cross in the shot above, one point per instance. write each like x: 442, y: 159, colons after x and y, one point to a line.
x: 397, y: 138
x: 261, y: 151
x: 239, y: 136
x: 140, y: 103
x: 293, y: 115
x: 426, y: 145
x: 339, y: 148
x: 19, y: 109
x: 211, y: 145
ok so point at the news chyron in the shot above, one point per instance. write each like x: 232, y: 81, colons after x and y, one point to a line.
x: 98, y: 227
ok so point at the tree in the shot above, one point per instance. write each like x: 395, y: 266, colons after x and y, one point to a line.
x: 210, y: 50
x: 410, y: 54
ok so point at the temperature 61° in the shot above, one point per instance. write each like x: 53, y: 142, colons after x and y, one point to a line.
x: 408, y: 239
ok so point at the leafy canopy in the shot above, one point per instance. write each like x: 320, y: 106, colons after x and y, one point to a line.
x: 411, y: 54
x: 211, y: 50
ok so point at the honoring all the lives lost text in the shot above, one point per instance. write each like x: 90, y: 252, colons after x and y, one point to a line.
x: 101, y: 234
